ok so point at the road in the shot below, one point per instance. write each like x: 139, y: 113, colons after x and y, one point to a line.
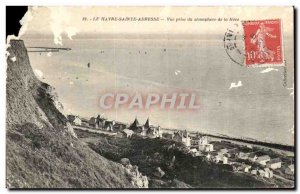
x: 283, y: 179
x: 94, y: 130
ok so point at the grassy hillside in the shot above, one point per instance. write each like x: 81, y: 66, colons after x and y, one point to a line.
x: 180, y: 168
x: 40, y: 153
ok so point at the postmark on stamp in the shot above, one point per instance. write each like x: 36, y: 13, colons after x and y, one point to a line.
x: 234, y: 44
x: 263, y: 43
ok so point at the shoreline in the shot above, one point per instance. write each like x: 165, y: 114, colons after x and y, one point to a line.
x: 278, y: 146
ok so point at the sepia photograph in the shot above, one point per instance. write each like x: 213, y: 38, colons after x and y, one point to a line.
x: 150, y: 97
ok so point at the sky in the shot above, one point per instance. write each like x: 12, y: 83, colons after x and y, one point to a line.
x: 165, y: 56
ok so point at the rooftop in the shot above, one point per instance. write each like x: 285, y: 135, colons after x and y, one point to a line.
x: 274, y: 161
x: 264, y: 157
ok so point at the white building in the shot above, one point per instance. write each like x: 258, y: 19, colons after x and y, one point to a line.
x: 194, y: 152
x: 290, y: 169
x: 249, y: 146
x: 144, y: 132
x: 77, y: 121
x: 206, y: 148
x: 247, y: 168
x: 208, y: 156
x: 261, y: 173
x: 252, y: 157
x: 268, y: 173
x: 223, y: 151
x: 183, y: 137
x: 203, y: 140
x: 243, y: 156
x: 221, y: 158
x: 204, y: 144
x: 274, y: 163
x: 254, y: 172
x: 225, y: 160
x: 160, y: 132
x: 109, y: 125
x: 187, y: 140
x: 263, y: 160
x: 127, y: 133
x: 74, y: 120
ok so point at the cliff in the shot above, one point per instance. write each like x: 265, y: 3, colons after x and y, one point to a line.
x: 40, y: 150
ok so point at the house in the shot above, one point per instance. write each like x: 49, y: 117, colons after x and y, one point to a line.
x: 232, y: 152
x: 274, y: 163
x: 93, y: 123
x: 203, y: 140
x: 159, y: 131
x: 217, y: 158
x: 261, y: 173
x: 144, y: 132
x: 153, y: 132
x: 194, y: 152
x: 119, y: 126
x: 204, y: 145
x: 208, y: 156
x: 186, y: 139
x: 202, y: 148
x: 100, y: 121
x: 225, y: 160
x: 221, y: 158
x: 290, y: 169
x: 74, y: 120
x: 223, y: 151
x: 249, y: 146
x: 177, y: 136
x: 182, y: 137
x: 136, y: 127
x: 167, y: 135
x: 194, y: 139
x: 236, y: 167
x: 206, y: 148
x: 254, y: 172
x: 150, y: 130
x: 268, y: 173
x: 84, y: 122
x: 247, y: 168
x: 252, y: 157
x: 263, y: 160
x: 243, y: 156
x: 109, y: 125
x: 126, y: 133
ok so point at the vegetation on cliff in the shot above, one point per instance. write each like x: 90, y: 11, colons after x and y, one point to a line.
x: 40, y: 152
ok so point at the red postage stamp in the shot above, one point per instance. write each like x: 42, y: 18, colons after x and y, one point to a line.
x: 263, y: 42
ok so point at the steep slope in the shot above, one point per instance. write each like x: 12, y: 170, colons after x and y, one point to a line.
x: 40, y: 153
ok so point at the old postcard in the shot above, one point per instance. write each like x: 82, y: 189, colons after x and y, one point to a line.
x: 151, y: 98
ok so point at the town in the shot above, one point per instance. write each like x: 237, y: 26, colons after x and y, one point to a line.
x: 258, y: 161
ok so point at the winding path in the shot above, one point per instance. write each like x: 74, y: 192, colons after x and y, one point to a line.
x: 94, y: 130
